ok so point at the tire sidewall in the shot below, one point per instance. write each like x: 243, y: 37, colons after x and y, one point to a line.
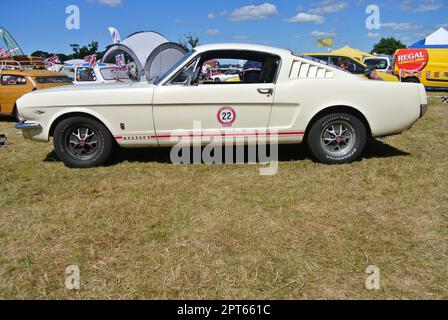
x: 100, y: 157
x: 314, y: 139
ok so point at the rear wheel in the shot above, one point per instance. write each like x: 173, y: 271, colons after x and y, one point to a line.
x: 410, y: 80
x: 82, y: 142
x: 337, y: 138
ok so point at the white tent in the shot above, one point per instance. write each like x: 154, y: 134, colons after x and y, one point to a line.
x: 150, y: 52
x: 438, y: 39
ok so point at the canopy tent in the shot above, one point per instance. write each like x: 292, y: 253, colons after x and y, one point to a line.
x: 149, y: 53
x: 438, y: 39
x: 355, y: 53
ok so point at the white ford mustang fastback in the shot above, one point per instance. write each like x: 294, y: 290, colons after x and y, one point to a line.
x: 295, y: 99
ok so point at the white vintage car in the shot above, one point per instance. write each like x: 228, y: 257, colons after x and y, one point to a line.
x: 291, y: 98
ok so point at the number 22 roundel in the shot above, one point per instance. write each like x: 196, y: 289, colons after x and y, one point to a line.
x: 226, y: 116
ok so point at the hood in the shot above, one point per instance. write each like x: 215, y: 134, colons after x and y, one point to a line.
x: 105, y: 94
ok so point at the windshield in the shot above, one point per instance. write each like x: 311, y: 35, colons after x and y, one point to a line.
x: 182, y: 60
x: 114, y: 74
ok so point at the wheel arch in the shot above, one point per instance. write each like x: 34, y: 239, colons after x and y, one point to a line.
x: 339, y: 109
x: 72, y: 114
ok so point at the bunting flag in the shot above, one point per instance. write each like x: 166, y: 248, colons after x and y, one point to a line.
x: 4, y: 53
x: 91, y: 60
x: 328, y: 42
x: 119, y: 61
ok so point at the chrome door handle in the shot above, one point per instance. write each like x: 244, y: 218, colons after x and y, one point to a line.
x: 265, y: 91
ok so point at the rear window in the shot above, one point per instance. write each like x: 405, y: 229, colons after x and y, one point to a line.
x: 43, y: 80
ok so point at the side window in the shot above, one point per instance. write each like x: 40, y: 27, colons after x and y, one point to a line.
x: 237, y: 67
x: 13, y: 80
x: 85, y: 75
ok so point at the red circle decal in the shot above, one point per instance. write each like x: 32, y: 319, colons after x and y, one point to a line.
x: 226, y: 116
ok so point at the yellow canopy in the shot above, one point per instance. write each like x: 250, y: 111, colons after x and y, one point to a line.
x: 354, y: 53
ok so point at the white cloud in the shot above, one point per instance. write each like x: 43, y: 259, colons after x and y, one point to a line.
x: 401, y: 26
x: 212, y: 32
x: 211, y: 16
x: 330, y: 8
x: 373, y: 35
x: 239, y: 37
x: 262, y: 11
x: 323, y: 34
x: 430, y: 6
x: 111, y: 3
x: 302, y: 17
x: 443, y: 25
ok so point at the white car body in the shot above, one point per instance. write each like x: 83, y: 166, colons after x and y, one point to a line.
x: 149, y: 115
x: 98, y: 73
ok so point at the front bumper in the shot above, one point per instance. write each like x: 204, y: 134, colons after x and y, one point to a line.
x: 29, y: 129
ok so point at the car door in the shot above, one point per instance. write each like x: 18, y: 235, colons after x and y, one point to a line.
x: 12, y: 87
x: 207, y: 110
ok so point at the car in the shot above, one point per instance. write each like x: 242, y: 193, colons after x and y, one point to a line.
x: 232, y: 73
x: 292, y: 100
x: 352, y: 65
x: 381, y: 63
x: 428, y: 66
x: 82, y: 73
x: 15, y: 81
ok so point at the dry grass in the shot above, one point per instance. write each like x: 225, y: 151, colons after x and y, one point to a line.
x: 144, y: 228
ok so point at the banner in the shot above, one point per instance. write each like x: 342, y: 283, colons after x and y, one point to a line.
x: 412, y: 60
x: 325, y: 42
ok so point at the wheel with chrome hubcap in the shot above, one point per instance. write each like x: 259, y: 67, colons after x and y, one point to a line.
x: 82, y: 142
x: 337, y: 138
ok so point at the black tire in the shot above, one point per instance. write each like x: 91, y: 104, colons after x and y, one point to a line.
x: 82, y: 142
x: 217, y: 80
x: 349, y: 137
x: 410, y: 80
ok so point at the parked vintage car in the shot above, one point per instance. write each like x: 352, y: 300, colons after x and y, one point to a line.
x: 297, y: 99
x: 15, y: 81
x: 82, y: 73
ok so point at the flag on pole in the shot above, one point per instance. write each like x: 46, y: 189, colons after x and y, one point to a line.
x: 115, y: 35
x: 328, y: 42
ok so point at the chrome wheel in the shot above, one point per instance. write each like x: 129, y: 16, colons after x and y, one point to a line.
x: 82, y: 142
x: 338, y: 138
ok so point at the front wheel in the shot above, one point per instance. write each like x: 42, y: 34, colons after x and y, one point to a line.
x: 337, y: 138
x: 82, y: 142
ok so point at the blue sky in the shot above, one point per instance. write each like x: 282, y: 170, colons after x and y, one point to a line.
x: 288, y: 24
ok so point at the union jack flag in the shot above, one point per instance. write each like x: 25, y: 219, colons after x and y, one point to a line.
x: 91, y: 60
x: 120, y: 66
x: 4, y: 53
x: 51, y: 61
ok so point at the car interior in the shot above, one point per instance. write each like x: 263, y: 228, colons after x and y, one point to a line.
x: 265, y: 71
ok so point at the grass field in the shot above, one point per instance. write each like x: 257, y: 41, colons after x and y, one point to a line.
x: 145, y: 228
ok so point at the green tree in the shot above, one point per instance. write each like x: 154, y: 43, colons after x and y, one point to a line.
x: 84, y: 51
x: 387, y: 46
x: 190, y: 42
x: 41, y: 54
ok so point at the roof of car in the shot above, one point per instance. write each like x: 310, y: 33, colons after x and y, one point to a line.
x: 242, y: 47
